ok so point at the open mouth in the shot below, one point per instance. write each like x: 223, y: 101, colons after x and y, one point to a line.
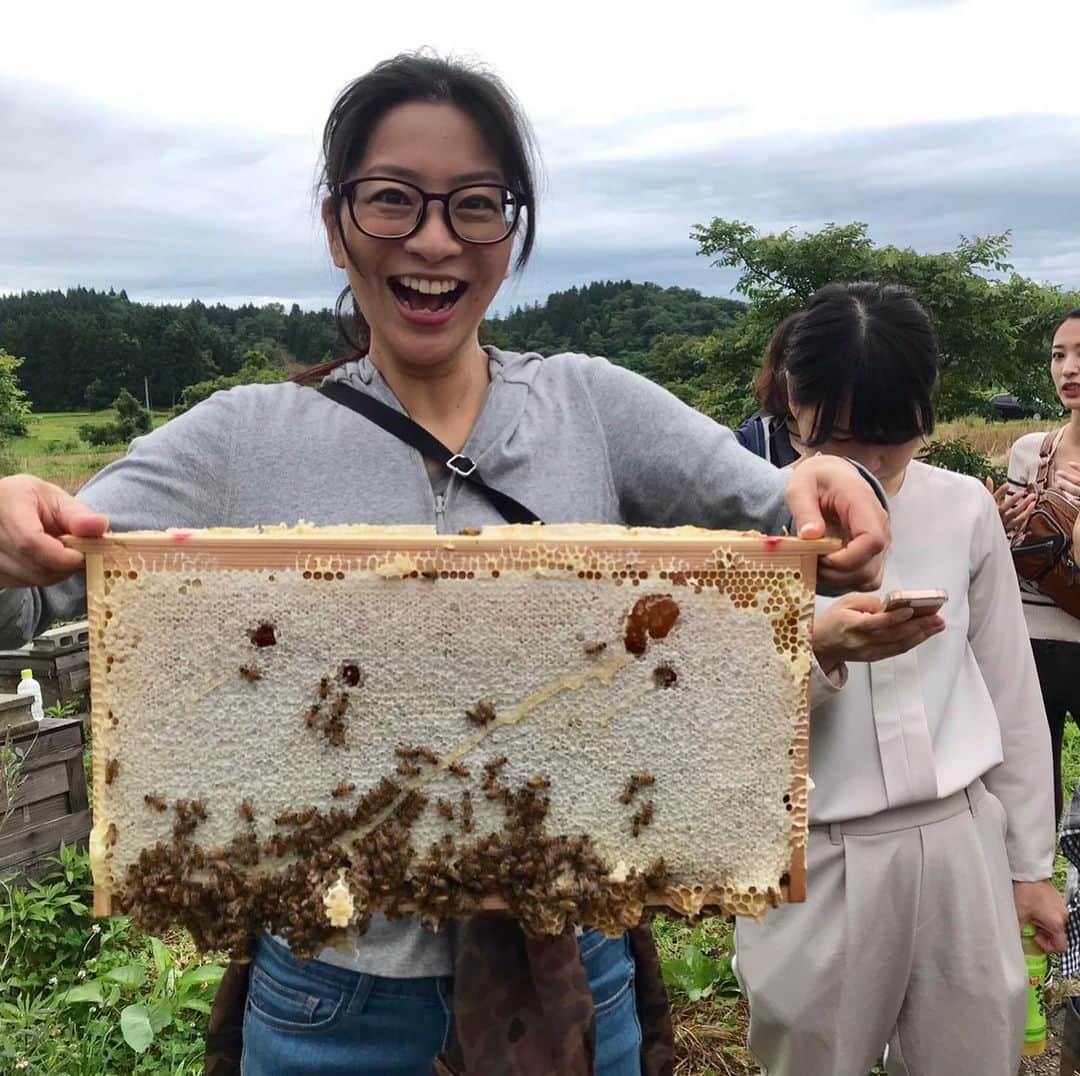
x: 427, y: 294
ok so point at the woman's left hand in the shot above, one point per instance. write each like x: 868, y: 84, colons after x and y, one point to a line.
x: 1067, y: 479
x: 828, y: 495
x: 1040, y: 903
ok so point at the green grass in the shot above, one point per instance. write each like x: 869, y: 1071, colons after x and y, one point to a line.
x: 1070, y: 778
x: 52, y: 450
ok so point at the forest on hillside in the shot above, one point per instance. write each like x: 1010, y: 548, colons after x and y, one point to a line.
x: 81, y: 347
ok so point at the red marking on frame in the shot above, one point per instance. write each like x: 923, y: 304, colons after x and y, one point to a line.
x: 181, y: 536
x: 772, y: 541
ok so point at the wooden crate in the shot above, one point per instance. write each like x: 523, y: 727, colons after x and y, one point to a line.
x: 16, y: 716
x: 60, y: 660
x: 49, y: 804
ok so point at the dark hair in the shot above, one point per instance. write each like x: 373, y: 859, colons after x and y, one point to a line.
x: 770, y: 387
x: 418, y: 77
x: 1068, y: 317
x: 872, y: 345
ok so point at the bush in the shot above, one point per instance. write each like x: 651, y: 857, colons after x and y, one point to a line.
x: 958, y: 454
x: 102, y: 433
x: 132, y: 419
x: 258, y: 368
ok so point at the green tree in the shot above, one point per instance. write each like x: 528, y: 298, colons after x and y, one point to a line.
x: 132, y: 419
x: 14, y: 408
x: 259, y: 367
x: 993, y: 323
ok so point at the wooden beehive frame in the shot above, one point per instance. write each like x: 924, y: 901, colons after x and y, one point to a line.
x: 772, y: 576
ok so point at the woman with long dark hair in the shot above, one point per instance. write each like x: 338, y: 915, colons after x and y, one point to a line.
x: 429, y: 196
x: 1055, y: 634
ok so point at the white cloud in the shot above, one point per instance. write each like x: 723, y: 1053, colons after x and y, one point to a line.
x: 171, y: 150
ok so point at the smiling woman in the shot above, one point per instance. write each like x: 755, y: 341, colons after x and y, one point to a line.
x: 429, y: 197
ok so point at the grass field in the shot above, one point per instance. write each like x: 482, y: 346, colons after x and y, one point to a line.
x: 992, y: 439
x: 54, y: 452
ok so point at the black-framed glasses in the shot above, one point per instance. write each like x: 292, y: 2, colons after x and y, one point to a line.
x: 387, y: 208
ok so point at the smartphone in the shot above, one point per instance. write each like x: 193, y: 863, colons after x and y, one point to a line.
x: 924, y: 602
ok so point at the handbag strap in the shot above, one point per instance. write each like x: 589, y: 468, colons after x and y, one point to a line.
x: 412, y: 433
x: 1046, y: 457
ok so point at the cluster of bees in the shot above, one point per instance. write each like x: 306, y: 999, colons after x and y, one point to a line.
x: 644, y: 814
x: 547, y: 881
x: 327, y: 713
x: 410, y: 757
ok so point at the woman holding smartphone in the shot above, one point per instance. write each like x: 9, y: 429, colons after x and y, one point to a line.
x: 930, y: 837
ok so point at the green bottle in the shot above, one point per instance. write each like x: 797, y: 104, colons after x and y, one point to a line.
x: 1038, y: 967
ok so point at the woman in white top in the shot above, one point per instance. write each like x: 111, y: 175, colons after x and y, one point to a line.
x: 930, y: 838
x: 1055, y: 634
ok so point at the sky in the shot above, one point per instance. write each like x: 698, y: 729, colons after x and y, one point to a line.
x: 172, y: 150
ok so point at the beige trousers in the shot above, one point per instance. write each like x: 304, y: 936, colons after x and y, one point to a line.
x: 909, y: 935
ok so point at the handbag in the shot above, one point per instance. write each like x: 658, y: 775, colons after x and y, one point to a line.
x: 1042, y: 549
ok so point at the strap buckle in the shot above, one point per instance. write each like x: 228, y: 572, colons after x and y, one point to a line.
x: 461, y: 465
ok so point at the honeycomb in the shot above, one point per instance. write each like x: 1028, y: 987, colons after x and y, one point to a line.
x: 295, y: 728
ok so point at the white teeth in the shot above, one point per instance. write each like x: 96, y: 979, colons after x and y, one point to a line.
x: 426, y: 286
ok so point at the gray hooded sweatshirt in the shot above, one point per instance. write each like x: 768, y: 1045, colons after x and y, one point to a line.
x: 574, y: 438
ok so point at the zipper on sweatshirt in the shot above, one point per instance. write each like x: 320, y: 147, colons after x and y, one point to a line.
x: 440, y: 512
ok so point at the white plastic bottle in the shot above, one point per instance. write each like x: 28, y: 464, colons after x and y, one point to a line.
x: 29, y: 686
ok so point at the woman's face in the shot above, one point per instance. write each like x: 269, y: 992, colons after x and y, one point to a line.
x: 437, y: 147
x: 1065, y: 363
x: 887, y: 463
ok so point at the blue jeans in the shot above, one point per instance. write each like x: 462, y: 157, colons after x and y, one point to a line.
x: 309, y: 1017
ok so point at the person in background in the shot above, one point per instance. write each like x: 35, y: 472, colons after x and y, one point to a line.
x: 767, y: 432
x: 429, y: 192
x: 930, y: 839
x: 1055, y: 634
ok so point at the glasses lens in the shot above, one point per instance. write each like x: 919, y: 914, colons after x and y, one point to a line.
x: 483, y: 214
x: 384, y: 208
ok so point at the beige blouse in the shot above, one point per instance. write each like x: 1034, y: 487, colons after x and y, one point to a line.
x: 963, y: 705
x: 1044, y: 619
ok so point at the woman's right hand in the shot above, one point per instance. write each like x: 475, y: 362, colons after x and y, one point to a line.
x: 857, y: 628
x: 1014, y: 508
x: 33, y: 515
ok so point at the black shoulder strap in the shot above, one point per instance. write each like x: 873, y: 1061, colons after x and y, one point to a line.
x: 412, y: 433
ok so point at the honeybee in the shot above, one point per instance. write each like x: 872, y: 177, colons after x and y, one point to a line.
x: 251, y: 673
x: 153, y: 800
x: 595, y: 648
x: 112, y: 768
x: 643, y: 818
x: 343, y: 790
x: 247, y: 812
x: 483, y: 713
x: 458, y: 769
